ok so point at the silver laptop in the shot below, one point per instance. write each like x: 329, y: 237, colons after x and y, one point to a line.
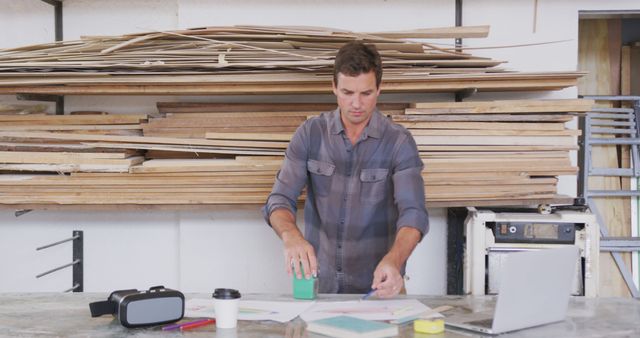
x: 534, y: 290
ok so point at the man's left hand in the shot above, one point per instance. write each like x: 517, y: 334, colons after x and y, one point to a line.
x: 387, y: 280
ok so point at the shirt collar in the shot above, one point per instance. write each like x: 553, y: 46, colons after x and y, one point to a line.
x: 335, y: 124
x: 373, y: 128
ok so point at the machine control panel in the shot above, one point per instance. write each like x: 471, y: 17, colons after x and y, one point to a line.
x: 534, y: 232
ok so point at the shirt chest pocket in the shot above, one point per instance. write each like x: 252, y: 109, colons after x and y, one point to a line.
x: 321, y: 176
x: 373, y: 184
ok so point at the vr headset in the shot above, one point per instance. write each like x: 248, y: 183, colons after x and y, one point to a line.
x: 135, y: 308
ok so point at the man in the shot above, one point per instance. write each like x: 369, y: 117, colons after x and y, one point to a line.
x: 365, y: 208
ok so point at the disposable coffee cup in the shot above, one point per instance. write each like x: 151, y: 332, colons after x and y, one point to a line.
x: 225, y: 303
x: 226, y: 333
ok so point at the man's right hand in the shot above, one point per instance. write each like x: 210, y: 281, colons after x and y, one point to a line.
x: 299, y: 256
x: 298, y: 253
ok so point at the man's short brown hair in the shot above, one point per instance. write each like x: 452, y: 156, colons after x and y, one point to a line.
x: 355, y: 58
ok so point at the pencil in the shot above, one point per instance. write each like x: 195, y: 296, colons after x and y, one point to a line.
x: 197, y: 324
x: 369, y: 294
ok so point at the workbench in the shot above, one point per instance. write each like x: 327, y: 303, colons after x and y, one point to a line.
x: 67, y: 315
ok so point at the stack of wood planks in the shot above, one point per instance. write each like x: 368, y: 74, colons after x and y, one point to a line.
x: 475, y: 153
x: 21, y: 149
x: 497, y: 152
x: 254, y: 60
x: 194, y: 120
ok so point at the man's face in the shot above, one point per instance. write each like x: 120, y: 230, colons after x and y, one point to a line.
x: 357, y: 97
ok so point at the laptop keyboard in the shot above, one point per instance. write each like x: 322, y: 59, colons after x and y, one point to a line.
x: 488, y: 323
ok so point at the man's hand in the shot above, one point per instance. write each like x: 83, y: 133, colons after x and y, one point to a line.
x: 297, y: 251
x: 387, y: 280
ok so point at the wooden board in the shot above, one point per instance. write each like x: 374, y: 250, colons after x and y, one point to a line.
x: 495, y: 140
x: 501, y: 107
x: 71, y: 119
x: 438, y: 33
x: 484, y: 126
x: 599, y: 53
x: 484, y: 118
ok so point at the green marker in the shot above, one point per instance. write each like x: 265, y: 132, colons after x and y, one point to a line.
x: 305, y: 288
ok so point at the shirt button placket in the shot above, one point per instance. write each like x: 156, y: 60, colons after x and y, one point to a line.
x: 343, y: 212
x: 339, y: 246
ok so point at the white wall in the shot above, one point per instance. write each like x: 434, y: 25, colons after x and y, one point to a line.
x: 121, y: 250
x: 203, y: 250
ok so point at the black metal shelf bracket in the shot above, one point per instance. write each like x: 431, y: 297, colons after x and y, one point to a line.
x: 77, y: 261
x: 57, y: 19
x: 456, y: 216
x: 464, y: 93
x: 458, y: 24
x: 58, y: 99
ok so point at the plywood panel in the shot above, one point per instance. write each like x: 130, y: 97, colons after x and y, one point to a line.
x: 599, y: 51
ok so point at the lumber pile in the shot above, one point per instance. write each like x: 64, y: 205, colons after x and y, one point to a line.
x: 25, y: 145
x: 475, y: 153
x: 146, y: 189
x: 496, y: 151
x: 254, y: 60
x: 195, y: 120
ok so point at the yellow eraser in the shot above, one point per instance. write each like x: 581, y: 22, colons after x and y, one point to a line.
x: 431, y: 326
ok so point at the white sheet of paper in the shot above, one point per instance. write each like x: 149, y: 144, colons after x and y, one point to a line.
x: 366, y: 309
x: 250, y: 309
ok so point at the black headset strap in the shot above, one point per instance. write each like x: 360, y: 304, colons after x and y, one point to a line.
x: 105, y: 307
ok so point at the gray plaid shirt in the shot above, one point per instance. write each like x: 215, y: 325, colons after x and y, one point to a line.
x: 358, y: 196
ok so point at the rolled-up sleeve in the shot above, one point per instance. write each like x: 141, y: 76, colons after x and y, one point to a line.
x: 291, y: 178
x: 408, y: 187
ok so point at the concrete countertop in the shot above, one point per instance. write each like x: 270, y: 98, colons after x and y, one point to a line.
x: 67, y: 315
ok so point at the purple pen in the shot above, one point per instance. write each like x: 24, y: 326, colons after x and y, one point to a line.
x: 177, y: 326
x: 368, y: 294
